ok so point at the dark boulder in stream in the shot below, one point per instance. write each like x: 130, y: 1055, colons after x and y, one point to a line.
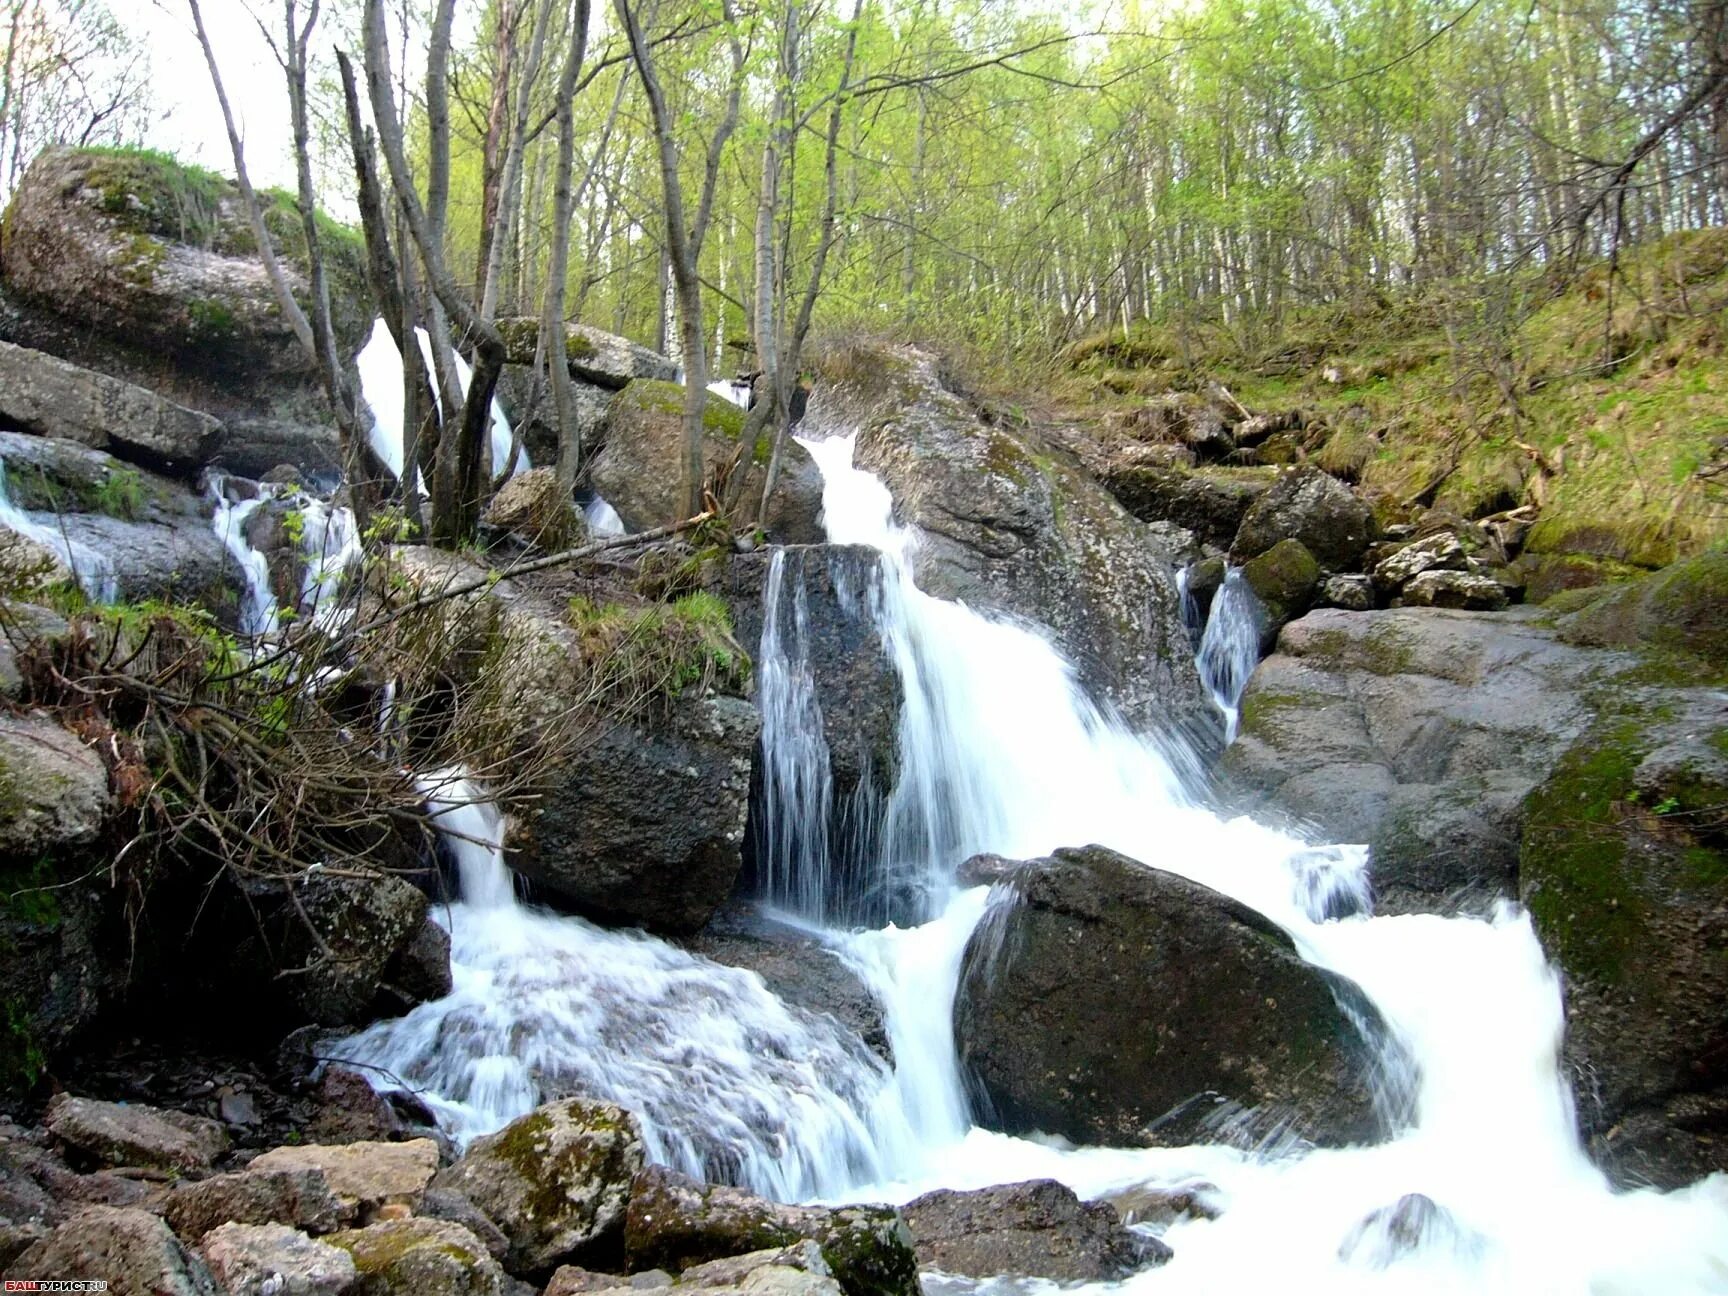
x: 1039, y: 1229
x: 1112, y: 1003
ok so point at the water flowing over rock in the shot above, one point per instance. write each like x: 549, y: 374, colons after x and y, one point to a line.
x: 1113, y: 1003
x: 1010, y: 524
x: 1039, y: 1229
x: 126, y: 533
x: 555, y: 1181
x: 830, y: 700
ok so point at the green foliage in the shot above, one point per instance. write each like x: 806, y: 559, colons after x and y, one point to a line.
x: 121, y: 494
x: 650, y: 653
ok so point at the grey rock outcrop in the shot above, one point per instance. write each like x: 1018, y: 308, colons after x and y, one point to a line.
x: 275, y: 1260
x: 131, y: 1250
x: 1038, y: 1229
x: 1012, y: 524
x: 1311, y: 506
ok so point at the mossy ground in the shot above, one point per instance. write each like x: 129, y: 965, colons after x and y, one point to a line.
x: 719, y: 417
x: 1618, y: 395
x: 646, y: 653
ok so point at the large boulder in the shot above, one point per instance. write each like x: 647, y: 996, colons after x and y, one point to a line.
x: 131, y: 1250
x: 638, y: 471
x: 530, y: 409
x: 136, y: 266
x: 55, y: 398
x: 675, y: 1223
x: 1314, y: 507
x: 536, y: 509
x: 275, y: 1260
x: 555, y: 1181
x: 364, y: 1176
x: 1113, y: 1003
x: 419, y: 1257
x: 1284, y: 579
x: 302, y: 1198
x: 1210, y: 502
x: 1012, y: 524
x: 129, y: 533
x: 144, y: 249
x: 1624, y: 868
x: 645, y: 825
x: 1417, y: 732
x: 1038, y: 1229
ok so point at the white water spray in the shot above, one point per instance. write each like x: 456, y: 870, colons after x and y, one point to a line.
x: 1230, y: 646
x: 93, y: 569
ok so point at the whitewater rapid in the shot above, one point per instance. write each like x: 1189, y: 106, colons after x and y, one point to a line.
x: 1001, y: 750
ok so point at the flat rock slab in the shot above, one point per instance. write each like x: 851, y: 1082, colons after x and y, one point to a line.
x: 52, y: 397
x: 368, y: 1175
x: 121, y: 1134
x: 302, y: 1198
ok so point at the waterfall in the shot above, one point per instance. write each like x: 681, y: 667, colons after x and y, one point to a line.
x: 603, y: 519
x: 1230, y: 646
x: 1001, y: 749
x: 728, y: 1082
x: 258, y: 611
x: 93, y: 570
x: 381, y: 384
x: 792, y: 854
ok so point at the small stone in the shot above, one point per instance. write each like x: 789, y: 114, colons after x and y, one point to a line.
x: 1454, y: 589
x: 1441, y: 551
x: 274, y: 1260
x: 238, y: 1109
x: 1352, y: 593
x: 350, y: 1110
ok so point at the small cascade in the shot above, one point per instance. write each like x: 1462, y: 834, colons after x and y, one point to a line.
x: 329, y: 544
x: 603, y: 519
x: 728, y: 1082
x: 381, y: 384
x: 792, y: 855
x: 735, y: 393
x: 258, y: 610
x: 93, y: 569
x: 1230, y: 646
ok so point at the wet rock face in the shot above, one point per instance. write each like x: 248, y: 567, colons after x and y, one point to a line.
x: 645, y: 826
x: 1624, y: 868
x: 155, y: 532
x: 1038, y: 1229
x: 555, y: 1181
x: 1118, y: 1004
x: 1013, y: 525
x: 1417, y: 732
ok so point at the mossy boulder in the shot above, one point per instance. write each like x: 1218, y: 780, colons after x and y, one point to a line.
x: 555, y: 1181
x: 1226, y: 1015
x: 676, y: 1223
x: 1315, y: 508
x: 419, y: 1257
x: 1624, y: 869
x: 639, y: 470
x: 1285, y: 579
x: 1682, y: 609
x: 533, y: 507
x: 155, y: 253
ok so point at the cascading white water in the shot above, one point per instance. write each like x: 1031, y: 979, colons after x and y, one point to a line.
x: 381, y: 384
x: 603, y: 519
x: 257, y: 601
x: 792, y: 851
x: 729, y: 1083
x: 735, y: 393
x: 1230, y: 646
x: 93, y: 569
x: 1001, y: 750
x: 1025, y: 763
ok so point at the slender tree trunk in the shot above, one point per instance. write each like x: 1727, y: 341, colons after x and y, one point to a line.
x: 557, y: 269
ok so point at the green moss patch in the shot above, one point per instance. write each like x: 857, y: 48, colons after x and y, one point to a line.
x: 653, y: 652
